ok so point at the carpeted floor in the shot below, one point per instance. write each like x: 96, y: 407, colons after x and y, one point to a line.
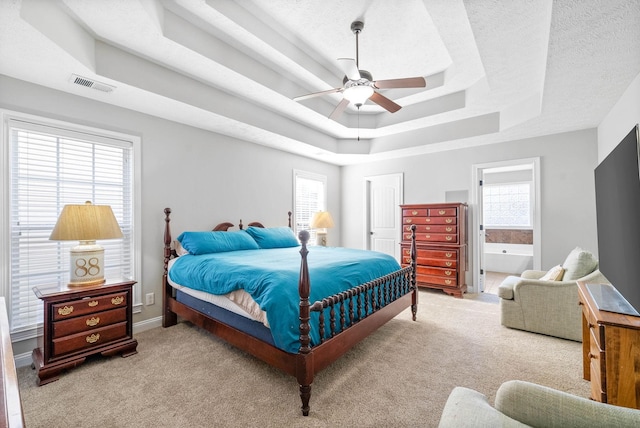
x: 400, y: 376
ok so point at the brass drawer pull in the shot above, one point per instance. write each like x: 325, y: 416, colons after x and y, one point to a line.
x: 93, y: 304
x: 414, y: 212
x: 93, y: 338
x: 441, y: 212
x: 93, y: 321
x: 449, y: 264
x: 66, y: 310
x: 447, y: 281
x: 447, y: 272
x: 117, y: 300
x: 448, y: 220
x: 408, y: 220
x: 448, y: 238
x: 449, y: 254
x: 448, y: 229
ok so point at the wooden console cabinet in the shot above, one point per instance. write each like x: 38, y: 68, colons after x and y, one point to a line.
x: 82, y: 321
x: 441, y: 245
x: 610, y: 353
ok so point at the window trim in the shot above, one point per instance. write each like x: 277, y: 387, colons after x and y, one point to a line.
x: 67, y: 128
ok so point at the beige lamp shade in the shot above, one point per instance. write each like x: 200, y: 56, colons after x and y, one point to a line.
x: 321, y: 220
x: 86, y: 223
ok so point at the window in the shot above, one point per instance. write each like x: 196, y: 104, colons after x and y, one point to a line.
x: 310, y: 195
x: 507, y: 205
x: 51, y: 165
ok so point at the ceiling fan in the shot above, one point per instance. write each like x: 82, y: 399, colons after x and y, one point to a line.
x: 359, y: 86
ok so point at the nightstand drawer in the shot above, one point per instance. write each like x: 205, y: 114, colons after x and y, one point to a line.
x: 89, y: 305
x: 89, y: 339
x: 88, y: 322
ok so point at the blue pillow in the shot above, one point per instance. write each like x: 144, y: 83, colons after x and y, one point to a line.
x: 216, y: 242
x: 273, y: 237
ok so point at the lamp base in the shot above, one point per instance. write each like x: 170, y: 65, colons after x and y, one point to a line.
x: 321, y: 238
x: 87, y: 264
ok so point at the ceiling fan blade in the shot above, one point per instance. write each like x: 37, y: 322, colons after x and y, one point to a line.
x: 317, y: 94
x: 409, y: 82
x: 384, y: 102
x: 339, y: 109
x: 350, y: 68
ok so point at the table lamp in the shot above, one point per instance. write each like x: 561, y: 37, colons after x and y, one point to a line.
x: 321, y: 221
x: 86, y: 223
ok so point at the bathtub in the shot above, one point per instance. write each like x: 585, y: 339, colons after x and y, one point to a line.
x: 508, y: 258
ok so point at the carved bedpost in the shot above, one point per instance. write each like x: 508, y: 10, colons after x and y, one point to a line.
x: 304, y: 361
x: 168, y: 318
x: 289, y: 219
x: 414, y: 299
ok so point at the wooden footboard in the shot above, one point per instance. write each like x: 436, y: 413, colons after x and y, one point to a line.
x: 352, y: 316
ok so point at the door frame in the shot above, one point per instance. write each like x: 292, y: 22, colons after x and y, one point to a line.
x: 366, y: 236
x: 476, y: 199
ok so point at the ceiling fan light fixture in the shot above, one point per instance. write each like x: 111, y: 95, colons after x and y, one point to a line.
x: 358, y: 94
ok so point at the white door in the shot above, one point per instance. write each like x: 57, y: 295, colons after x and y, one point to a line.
x: 384, y: 196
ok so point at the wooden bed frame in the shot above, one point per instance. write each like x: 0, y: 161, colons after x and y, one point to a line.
x: 309, y: 360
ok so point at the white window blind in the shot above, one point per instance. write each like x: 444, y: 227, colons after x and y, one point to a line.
x: 507, y: 205
x: 49, y: 168
x: 310, y: 192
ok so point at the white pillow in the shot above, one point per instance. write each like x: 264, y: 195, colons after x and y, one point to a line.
x: 554, y: 274
x: 579, y: 263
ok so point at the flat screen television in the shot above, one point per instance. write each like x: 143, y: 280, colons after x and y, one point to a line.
x: 617, y: 180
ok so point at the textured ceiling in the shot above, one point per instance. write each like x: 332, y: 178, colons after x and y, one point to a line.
x: 496, y: 70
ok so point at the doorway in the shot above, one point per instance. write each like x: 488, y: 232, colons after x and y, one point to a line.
x: 507, y: 232
x: 384, y: 194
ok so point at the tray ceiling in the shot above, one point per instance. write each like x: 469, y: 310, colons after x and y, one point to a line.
x: 496, y: 70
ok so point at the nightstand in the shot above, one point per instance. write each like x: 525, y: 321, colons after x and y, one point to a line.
x: 82, y: 321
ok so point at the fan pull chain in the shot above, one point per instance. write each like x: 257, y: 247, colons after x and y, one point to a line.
x: 358, y: 121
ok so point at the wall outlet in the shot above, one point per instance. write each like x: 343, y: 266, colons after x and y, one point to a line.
x: 150, y: 299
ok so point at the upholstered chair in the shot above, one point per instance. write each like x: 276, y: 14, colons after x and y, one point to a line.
x: 525, y: 404
x: 547, y: 302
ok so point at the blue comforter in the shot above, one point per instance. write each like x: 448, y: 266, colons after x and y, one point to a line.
x: 271, y: 278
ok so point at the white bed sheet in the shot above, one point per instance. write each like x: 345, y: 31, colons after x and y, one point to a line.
x: 239, y: 301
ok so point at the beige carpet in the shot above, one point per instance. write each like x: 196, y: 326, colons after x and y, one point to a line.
x: 400, y: 376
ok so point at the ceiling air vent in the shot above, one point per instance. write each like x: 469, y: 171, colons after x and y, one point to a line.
x: 90, y: 83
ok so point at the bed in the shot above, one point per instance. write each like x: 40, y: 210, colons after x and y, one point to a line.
x: 351, y: 299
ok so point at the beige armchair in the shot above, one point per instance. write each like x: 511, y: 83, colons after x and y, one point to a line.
x: 525, y: 404
x: 535, y: 303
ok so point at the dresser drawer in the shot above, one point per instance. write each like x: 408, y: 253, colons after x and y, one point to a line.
x: 443, y: 212
x: 436, y: 271
x: 88, y: 322
x: 423, y: 261
x: 434, y: 237
x: 89, y: 339
x: 429, y: 220
x: 432, y: 254
x: 89, y: 305
x: 415, y: 212
x: 430, y: 279
x: 429, y: 228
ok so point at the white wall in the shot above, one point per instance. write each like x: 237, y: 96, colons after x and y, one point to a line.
x: 620, y: 120
x: 567, y: 187
x: 204, y: 177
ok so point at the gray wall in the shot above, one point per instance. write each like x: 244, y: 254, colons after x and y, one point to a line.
x: 204, y: 177
x: 567, y: 187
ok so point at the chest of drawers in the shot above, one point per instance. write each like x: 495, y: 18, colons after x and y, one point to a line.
x: 441, y: 245
x: 79, y: 322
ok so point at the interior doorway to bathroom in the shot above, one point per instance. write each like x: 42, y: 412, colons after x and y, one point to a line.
x: 506, y: 221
